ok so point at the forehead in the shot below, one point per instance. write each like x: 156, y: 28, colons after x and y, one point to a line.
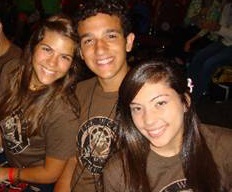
x: 99, y: 23
x: 58, y: 42
x: 150, y: 90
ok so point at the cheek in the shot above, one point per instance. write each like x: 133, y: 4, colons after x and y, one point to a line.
x: 137, y: 121
x: 174, y: 111
x: 177, y: 116
x: 85, y: 52
x: 121, y: 47
x: 38, y: 57
x: 64, y: 67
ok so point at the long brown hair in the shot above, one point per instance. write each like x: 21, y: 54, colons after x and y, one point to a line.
x: 197, y: 161
x: 35, y: 105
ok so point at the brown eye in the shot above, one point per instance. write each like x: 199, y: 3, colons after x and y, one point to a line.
x: 66, y: 58
x: 161, y: 103
x: 87, y: 42
x: 135, y: 109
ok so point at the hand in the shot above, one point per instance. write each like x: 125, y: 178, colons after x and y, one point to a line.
x: 187, y: 46
x: 4, y: 174
x: 211, y: 26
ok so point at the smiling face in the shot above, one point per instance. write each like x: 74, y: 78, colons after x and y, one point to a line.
x: 104, y: 47
x: 158, y: 113
x: 52, y: 59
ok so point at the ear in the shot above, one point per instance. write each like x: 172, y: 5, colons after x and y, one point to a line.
x: 80, y: 52
x: 0, y: 27
x: 188, y: 99
x: 129, y: 41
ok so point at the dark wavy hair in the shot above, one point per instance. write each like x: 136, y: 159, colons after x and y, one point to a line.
x: 119, y: 8
x: 197, y: 161
x: 35, y: 106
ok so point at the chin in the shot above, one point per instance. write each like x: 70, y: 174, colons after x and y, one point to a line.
x: 46, y: 83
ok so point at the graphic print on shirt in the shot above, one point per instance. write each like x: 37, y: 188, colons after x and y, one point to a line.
x: 179, y: 185
x: 14, y: 133
x: 95, y: 141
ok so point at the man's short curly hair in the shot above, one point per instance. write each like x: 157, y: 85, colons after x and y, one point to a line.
x: 119, y: 8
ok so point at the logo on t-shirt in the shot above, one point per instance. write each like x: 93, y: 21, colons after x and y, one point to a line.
x: 179, y: 186
x: 96, y: 141
x: 14, y: 133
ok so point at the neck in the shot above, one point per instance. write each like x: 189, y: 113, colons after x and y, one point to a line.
x: 35, y: 85
x: 5, y: 44
x: 113, y: 84
x: 172, y: 149
x: 166, y: 153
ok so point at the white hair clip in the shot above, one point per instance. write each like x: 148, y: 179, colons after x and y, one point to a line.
x: 190, y: 85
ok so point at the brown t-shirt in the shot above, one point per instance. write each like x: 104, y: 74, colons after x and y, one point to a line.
x: 56, y: 137
x: 13, y: 54
x: 166, y: 174
x: 96, y: 135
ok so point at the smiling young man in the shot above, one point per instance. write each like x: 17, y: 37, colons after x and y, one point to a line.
x: 105, y: 38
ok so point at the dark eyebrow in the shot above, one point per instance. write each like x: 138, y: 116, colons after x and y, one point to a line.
x: 113, y: 30
x: 44, y: 44
x: 68, y: 55
x: 85, y: 35
x: 161, y: 95
x: 154, y: 98
x: 107, y: 31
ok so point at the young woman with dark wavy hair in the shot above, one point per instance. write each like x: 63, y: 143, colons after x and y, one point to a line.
x: 163, y: 145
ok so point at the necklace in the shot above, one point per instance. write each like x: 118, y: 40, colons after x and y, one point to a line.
x: 97, y: 178
x: 33, y: 87
x: 91, y: 102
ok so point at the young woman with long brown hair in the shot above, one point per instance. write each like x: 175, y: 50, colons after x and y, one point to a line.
x: 163, y: 145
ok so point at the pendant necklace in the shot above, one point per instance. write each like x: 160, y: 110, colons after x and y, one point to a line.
x: 91, y: 102
x: 97, y: 181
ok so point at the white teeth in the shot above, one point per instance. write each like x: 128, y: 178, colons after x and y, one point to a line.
x: 48, y: 71
x: 104, y: 61
x: 156, y: 132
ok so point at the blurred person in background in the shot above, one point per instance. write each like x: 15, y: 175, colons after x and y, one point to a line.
x: 9, y: 52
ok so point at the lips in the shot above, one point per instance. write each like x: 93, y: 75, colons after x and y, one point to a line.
x: 104, y: 61
x: 47, y: 71
x: 156, y: 132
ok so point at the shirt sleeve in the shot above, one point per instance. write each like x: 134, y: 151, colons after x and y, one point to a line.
x: 226, y: 146
x: 113, y: 177
x: 6, y: 74
x: 61, y: 131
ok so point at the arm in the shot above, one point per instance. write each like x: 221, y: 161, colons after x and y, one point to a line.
x: 225, y: 29
x: 48, y: 173
x: 187, y: 45
x: 56, y: 147
x: 64, y: 181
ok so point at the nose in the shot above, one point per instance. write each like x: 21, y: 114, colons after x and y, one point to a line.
x: 149, y: 117
x: 53, y: 59
x: 100, y: 47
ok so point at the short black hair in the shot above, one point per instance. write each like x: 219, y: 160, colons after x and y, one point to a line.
x: 118, y: 8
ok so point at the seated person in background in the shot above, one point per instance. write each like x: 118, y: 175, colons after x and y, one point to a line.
x: 191, y: 37
x: 216, y: 54
x: 9, y: 52
x: 210, y: 12
x: 163, y: 145
x: 38, y: 124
